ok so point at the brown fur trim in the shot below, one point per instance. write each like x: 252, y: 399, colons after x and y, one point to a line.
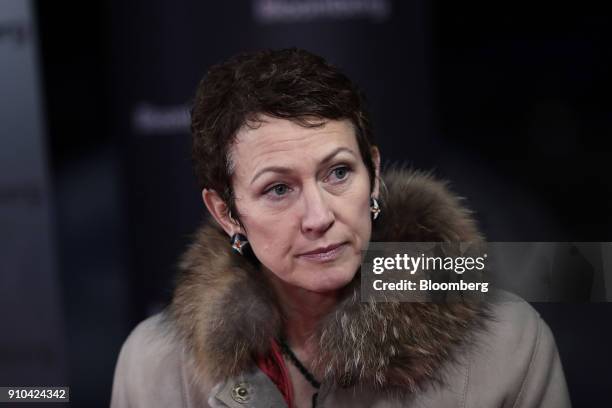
x: 418, y: 208
x: 225, y: 315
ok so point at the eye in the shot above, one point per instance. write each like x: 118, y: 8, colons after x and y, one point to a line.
x: 278, y: 190
x: 340, y: 173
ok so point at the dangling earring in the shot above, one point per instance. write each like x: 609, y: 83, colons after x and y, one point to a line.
x: 374, y: 208
x: 238, y: 242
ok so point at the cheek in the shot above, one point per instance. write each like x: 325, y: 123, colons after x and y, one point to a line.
x: 364, y: 223
x: 359, y: 216
x: 271, y: 240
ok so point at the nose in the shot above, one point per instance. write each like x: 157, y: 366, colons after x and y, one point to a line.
x: 318, y: 216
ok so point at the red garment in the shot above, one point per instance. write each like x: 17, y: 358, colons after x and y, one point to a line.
x: 274, y: 366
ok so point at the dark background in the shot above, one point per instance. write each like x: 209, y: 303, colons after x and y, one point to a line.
x: 508, y: 101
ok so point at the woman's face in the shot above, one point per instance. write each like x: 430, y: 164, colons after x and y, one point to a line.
x: 304, y: 199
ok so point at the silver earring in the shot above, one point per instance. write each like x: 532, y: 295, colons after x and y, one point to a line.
x: 238, y: 242
x: 374, y: 208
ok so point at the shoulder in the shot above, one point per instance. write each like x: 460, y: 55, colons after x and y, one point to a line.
x: 517, y: 358
x: 515, y: 325
x: 151, y: 344
x: 149, y: 367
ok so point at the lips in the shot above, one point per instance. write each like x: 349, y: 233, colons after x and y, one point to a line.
x: 323, y: 250
x: 324, y: 254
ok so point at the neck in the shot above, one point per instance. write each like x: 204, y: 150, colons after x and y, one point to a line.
x: 302, y: 310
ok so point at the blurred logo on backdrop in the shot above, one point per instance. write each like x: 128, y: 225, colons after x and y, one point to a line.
x: 149, y: 119
x: 284, y: 11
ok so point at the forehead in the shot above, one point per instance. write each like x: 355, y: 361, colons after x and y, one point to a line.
x: 283, y: 142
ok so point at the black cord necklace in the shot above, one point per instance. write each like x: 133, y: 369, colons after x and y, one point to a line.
x: 298, y: 364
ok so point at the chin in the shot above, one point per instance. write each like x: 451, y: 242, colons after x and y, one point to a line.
x: 332, y: 281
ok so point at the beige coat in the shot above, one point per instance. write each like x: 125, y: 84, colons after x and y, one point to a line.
x: 199, y: 351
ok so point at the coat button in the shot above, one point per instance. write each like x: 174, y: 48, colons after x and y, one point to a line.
x: 240, y: 393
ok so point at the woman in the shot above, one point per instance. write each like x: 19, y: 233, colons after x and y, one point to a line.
x: 271, y: 317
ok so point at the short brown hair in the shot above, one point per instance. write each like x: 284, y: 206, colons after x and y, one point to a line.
x: 292, y: 84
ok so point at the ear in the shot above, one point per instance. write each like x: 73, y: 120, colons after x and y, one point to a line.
x: 219, y: 211
x: 376, y: 160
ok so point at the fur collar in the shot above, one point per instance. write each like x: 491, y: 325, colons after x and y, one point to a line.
x: 224, y: 315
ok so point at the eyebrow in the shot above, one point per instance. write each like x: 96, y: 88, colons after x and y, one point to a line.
x: 285, y: 170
